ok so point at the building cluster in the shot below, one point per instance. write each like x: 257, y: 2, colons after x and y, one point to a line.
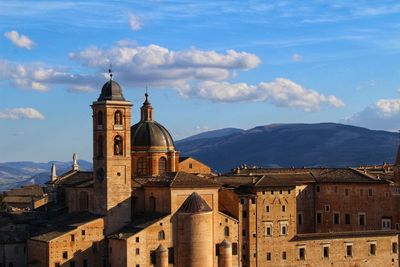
x: 145, y: 205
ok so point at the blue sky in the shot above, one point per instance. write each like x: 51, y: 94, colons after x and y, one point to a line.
x: 207, y: 65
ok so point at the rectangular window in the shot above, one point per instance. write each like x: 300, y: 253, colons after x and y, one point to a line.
x: 284, y: 229
x: 361, y: 219
x: 327, y: 208
x: 267, y: 208
x: 283, y: 208
x: 336, y: 218
x: 72, y: 238
x: 83, y: 232
x: 152, y: 257
x: 302, y: 254
x: 65, y: 255
x: 326, y: 251
x: 280, y: 192
x: 349, y: 250
x: 370, y: 192
x: 386, y: 223
x: 300, y: 218
x: 137, y: 251
x: 319, y: 217
x: 284, y: 257
x: 268, y: 230
x: 394, y: 247
x: 372, y: 249
x: 234, y: 248
x: 288, y: 192
x: 243, y: 232
x: 190, y: 166
x: 242, y: 201
x: 244, y: 214
x: 347, y: 219
x: 268, y: 256
x: 253, y: 201
x: 137, y: 239
x: 318, y: 188
x: 272, y: 192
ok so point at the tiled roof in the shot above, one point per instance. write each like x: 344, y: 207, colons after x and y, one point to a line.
x: 74, y: 178
x: 140, y: 222
x: 194, y: 204
x: 237, y: 180
x: 285, y: 179
x: 352, y: 234
x: 18, y: 199
x: 343, y: 175
x: 64, y: 224
x: 28, y: 190
x: 176, y: 180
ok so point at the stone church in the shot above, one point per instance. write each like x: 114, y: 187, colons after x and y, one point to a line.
x: 144, y: 205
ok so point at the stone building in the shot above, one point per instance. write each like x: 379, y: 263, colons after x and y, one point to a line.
x: 145, y: 205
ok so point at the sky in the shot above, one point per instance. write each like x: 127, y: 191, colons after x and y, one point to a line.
x: 207, y: 65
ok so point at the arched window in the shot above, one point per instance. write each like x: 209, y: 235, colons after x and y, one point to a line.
x: 152, y: 202
x: 118, y: 118
x: 161, y: 235
x: 100, y: 118
x: 162, y: 166
x: 118, y: 145
x: 141, y: 166
x: 83, y: 201
x: 226, y: 231
x: 100, y: 146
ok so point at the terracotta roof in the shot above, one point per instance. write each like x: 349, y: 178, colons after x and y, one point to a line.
x: 74, y: 178
x: 176, y: 180
x: 335, y: 235
x: 285, y: 179
x: 194, y: 204
x: 236, y: 180
x: 140, y: 222
x: 18, y: 199
x: 343, y: 175
x: 28, y: 190
x: 64, y: 224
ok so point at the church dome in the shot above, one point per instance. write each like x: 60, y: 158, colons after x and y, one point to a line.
x: 150, y: 135
x: 111, y: 91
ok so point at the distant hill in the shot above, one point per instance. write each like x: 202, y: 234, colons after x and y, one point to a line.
x: 286, y: 145
x: 15, y: 174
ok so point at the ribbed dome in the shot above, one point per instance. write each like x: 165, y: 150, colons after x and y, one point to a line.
x: 146, y: 134
x: 194, y: 204
x: 111, y: 91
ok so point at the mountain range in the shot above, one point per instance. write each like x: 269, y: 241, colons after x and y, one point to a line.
x: 275, y: 145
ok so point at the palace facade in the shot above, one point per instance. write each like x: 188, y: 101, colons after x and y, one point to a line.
x: 145, y: 205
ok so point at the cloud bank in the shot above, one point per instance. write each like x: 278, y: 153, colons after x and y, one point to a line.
x: 19, y: 40
x: 21, y: 113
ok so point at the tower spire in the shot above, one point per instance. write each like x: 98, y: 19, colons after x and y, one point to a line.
x: 53, y: 176
x: 146, y: 109
x: 75, y: 165
x: 110, y: 72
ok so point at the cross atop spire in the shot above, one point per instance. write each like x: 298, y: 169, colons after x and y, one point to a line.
x: 110, y: 72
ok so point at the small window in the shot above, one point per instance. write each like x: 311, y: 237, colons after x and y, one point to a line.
x: 394, y: 247
x: 100, y: 118
x: 244, y: 214
x: 300, y: 218
x: 268, y: 230
x: 284, y: 229
x: 118, y: 149
x: 243, y: 232
x: 284, y: 256
x: 302, y: 254
x: 349, y: 250
x: 283, y: 208
x: 118, y: 118
x: 267, y: 208
x: 162, y: 165
x: 83, y: 232
x: 372, y: 249
x: 226, y: 231
x: 268, y: 256
x: 72, y: 238
x: 336, y: 218
x: 234, y: 248
x: 319, y: 218
x: 347, y: 219
x: 327, y: 208
x: 190, y: 165
x: 65, y: 255
x: 288, y: 192
x: 137, y: 251
x: 272, y: 192
x: 242, y: 201
x: 386, y: 224
x: 253, y: 200
x: 361, y: 219
x: 326, y: 252
x: 318, y: 189
x: 370, y: 193
x: 137, y: 239
x: 161, y: 235
x: 280, y: 192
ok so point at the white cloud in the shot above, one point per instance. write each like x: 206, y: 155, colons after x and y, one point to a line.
x: 297, y: 57
x: 134, y: 22
x: 280, y: 92
x: 21, y: 113
x: 383, y: 115
x: 19, y: 40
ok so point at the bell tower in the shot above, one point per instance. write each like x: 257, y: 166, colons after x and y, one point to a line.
x: 112, y: 156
